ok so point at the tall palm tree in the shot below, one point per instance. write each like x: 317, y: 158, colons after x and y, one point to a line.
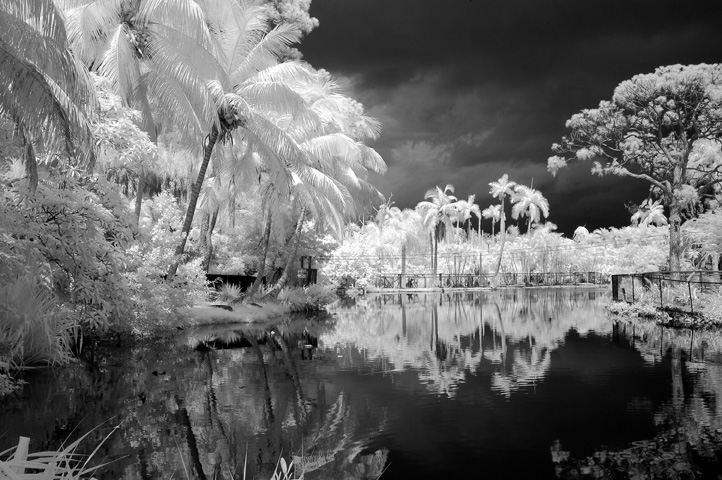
x: 464, y: 210
x: 494, y: 213
x: 530, y: 203
x: 501, y: 189
x: 44, y: 90
x: 157, y: 56
x: 437, y: 213
x: 251, y: 93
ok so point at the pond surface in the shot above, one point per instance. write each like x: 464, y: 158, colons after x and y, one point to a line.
x: 515, y: 384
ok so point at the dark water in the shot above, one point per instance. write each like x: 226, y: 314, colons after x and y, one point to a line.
x: 518, y: 384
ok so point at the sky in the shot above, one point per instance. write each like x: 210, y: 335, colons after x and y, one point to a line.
x: 467, y: 90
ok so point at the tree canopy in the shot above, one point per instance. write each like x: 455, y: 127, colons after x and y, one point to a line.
x: 664, y: 128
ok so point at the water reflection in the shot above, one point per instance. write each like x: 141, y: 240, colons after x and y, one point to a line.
x: 513, y: 384
x: 445, y: 338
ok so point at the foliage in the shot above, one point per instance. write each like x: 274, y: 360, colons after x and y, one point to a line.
x: 157, y: 301
x: 31, y: 329
x: 310, y: 298
x: 17, y: 464
x: 662, y: 128
x: 46, y: 93
x: 77, y: 230
x: 229, y: 293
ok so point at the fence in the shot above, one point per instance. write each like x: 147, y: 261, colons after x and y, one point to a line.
x: 680, y: 290
x: 470, y: 280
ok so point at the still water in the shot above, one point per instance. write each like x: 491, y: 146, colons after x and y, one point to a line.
x: 517, y: 384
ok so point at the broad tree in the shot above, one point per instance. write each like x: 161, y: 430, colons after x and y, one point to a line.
x: 663, y: 128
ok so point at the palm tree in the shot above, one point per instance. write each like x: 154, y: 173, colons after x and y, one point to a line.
x: 464, y: 210
x: 157, y: 56
x: 649, y: 213
x: 46, y: 93
x: 494, y: 213
x: 260, y: 93
x: 437, y: 214
x: 501, y: 189
x: 530, y: 203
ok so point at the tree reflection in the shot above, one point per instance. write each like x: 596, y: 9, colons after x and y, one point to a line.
x: 447, y: 337
x: 689, y: 424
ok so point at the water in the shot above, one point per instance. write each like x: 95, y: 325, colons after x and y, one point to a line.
x: 516, y: 384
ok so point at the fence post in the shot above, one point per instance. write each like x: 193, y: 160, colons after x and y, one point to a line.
x: 633, y: 288
x: 689, y: 288
x: 441, y: 280
x: 661, y: 301
x: 615, y: 288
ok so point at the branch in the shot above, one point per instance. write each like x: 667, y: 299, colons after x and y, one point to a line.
x: 644, y: 176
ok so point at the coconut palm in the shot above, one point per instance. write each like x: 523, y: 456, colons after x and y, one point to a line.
x: 501, y: 189
x: 464, y: 210
x: 649, y: 213
x: 494, y: 213
x: 45, y: 91
x: 530, y: 203
x: 250, y: 94
x: 437, y: 214
x: 157, y: 56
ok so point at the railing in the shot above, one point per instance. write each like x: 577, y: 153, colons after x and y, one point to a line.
x: 471, y: 280
x: 680, y: 290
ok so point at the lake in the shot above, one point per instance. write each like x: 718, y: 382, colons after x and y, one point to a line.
x: 528, y: 383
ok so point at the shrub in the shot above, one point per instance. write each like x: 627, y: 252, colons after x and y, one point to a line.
x: 307, y: 299
x: 31, y: 329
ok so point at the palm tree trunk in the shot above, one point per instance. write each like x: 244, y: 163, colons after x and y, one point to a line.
x: 31, y: 167
x: 208, y: 251
x: 262, y: 265
x: 502, y: 230
x: 291, y: 259
x: 193, y: 200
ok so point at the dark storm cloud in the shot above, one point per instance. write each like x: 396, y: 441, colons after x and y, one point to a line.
x: 470, y: 90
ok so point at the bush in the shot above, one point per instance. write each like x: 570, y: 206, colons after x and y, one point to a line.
x: 307, y: 299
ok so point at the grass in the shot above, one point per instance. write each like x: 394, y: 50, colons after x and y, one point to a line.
x: 31, y: 329
x: 17, y: 463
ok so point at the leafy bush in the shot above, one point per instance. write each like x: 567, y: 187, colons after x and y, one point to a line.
x: 229, y: 293
x: 77, y: 231
x: 307, y: 299
x: 156, y: 301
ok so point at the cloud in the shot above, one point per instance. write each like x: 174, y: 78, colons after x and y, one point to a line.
x: 469, y: 90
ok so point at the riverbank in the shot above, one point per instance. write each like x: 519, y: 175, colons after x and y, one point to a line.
x: 211, y: 314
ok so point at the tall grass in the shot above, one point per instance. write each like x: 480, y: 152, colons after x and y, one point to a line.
x: 17, y: 463
x: 307, y: 299
x: 31, y: 329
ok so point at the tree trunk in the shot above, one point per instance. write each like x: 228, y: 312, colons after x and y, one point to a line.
x: 208, y: 251
x: 193, y: 200
x: 203, y: 237
x: 31, y: 167
x: 262, y: 265
x: 675, y: 247
x: 403, y: 266
x: 502, y: 231
x: 292, y: 258
x: 139, y: 194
